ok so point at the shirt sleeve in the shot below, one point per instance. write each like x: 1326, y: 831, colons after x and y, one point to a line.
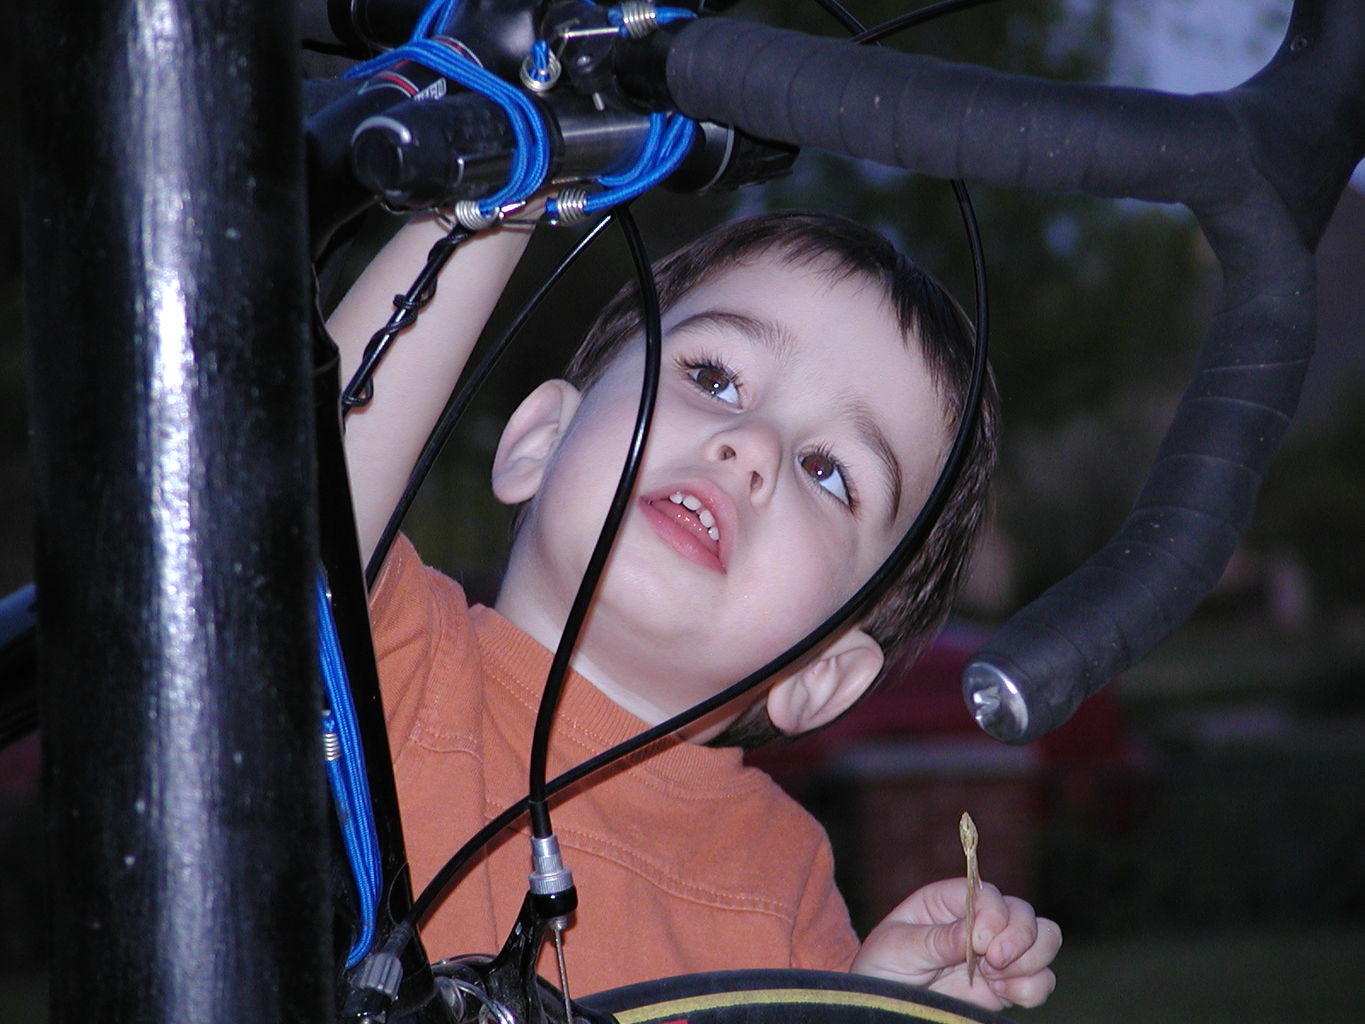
x: 823, y: 938
x: 416, y: 616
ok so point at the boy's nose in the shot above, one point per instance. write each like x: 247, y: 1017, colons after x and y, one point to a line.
x: 753, y: 451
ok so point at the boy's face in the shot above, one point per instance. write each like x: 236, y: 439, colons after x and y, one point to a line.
x: 795, y: 437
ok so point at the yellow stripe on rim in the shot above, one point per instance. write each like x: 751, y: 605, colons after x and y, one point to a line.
x: 827, y: 997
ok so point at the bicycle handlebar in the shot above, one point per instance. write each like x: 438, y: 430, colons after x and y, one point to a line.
x: 1261, y: 166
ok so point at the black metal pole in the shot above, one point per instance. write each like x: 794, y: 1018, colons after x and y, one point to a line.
x: 166, y: 283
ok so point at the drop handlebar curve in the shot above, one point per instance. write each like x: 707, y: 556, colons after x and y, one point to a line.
x: 1261, y: 166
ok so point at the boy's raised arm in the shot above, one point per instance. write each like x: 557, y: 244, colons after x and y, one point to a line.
x: 384, y: 438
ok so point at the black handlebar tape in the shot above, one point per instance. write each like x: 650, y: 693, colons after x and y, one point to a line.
x: 1261, y: 167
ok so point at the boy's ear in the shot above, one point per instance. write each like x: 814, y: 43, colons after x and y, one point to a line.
x: 828, y: 686
x: 529, y: 439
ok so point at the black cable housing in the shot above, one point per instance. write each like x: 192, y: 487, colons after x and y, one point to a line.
x: 895, y: 563
x: 620, y: 502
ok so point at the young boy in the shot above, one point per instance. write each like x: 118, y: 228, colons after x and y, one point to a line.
x: 812, y: 380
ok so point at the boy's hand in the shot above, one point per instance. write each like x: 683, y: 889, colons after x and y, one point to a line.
x: 923, y: 942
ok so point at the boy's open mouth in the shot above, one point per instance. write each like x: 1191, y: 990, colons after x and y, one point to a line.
x: 685, y: 519
x: 703, y: 515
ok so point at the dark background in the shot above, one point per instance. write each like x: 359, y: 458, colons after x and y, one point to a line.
x: 1197, y: 829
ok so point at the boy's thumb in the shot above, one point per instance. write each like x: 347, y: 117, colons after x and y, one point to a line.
x: 913, y: 953
x: 950, y: 942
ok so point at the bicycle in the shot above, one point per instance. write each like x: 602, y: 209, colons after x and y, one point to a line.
x: 1287, y: 173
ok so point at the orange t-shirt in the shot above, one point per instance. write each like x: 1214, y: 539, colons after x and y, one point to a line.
x: 685, y: 859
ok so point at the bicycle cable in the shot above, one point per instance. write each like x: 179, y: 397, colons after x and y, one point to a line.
x: 360, y: 388
x: 606, y: 538
x: 929, y: 513
x: 861, y: 35
x: 842, y: 15
x: 420, y: 907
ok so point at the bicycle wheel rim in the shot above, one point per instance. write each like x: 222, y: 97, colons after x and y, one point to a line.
x: 782, y: 997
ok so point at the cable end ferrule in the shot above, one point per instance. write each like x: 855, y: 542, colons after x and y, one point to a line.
x: 549, y: 876
x: 552, y: 890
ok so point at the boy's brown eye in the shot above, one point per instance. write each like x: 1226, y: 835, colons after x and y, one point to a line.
x: 715, y: 381
x: 827, y: 473
x: 818, y: 465
x: 710, y: 379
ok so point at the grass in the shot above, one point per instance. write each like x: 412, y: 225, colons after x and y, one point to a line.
x: 1214, y: 977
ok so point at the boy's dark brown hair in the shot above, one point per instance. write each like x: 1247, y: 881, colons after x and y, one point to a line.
x: 911, y: 612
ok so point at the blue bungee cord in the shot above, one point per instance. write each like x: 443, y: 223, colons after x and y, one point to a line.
x: 667, y: 142
x: 670, y: 145
x: 346, y: 774
x: 542, y: 67
x: 531, y: 152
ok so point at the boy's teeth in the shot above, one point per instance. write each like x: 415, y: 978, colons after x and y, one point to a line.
x: 693, y: 504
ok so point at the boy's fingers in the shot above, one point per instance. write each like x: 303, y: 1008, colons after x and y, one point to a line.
x: 1044, y: 939
x: 942, y: 902
x: 1016, y: 946
x: 992, y: 916
x: 1016, y: 932
x: 1005, y: 926
x: 1028, y: 991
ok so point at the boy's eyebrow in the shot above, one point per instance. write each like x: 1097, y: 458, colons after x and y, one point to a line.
x: 775, y: 337
x: 875, y: 438
x: 767, y: 333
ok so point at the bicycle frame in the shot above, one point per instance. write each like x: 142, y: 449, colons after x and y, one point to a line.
x: 179, y: 708
x: 175, y: 586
